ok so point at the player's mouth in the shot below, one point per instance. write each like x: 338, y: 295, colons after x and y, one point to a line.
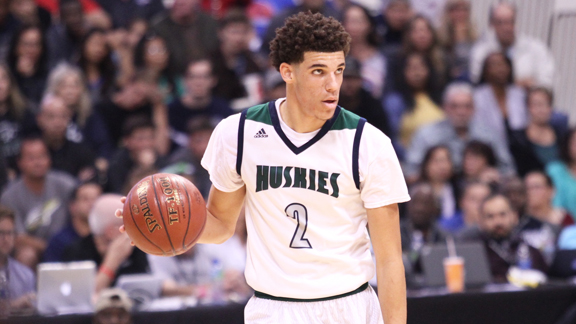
x: 331, y: 102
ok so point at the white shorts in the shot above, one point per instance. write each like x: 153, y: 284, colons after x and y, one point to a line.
x: 359, y: 308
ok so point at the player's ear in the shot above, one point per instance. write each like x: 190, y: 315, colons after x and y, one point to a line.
x: 287, y: 72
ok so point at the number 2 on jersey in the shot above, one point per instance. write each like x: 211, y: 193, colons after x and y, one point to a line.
x: 300, y: 214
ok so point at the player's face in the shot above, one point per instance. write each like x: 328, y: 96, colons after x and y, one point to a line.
x: 315, y: 84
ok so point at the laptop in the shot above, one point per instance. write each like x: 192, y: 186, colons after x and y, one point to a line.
x: 476, y: 269
x: 142, y: 288
x: 65, y: 288
x: 564, y: 264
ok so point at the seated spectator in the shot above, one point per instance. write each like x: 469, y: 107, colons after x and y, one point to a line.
x: 437, y: 170
x: 113, y: 306
x: 28, y: 61
x: 392, y: 23
x: 537, y: 233
x: 465, y: 222
x: 16, y: 118
x: 73, y: 158
x: 38, y: 198
x: 197, y: 101
x: 497, y: 230
x: 277, y: 21
x: 199, y: 131
x: 361, y: 26
x: 479, y: 165
x: 500, y: 105
x: 563, y: 174
x: 414, y: 104
x: 152, y: 56
x: 455, y: 131
x: 239, y: 77
x: 96, y: 63
x: 189, y: 32
x: 86, y: 126
x: 539, y: 194
x: 275, y: 87
x: 420, y: 38
x: 538, y: 144
x: 457, y: 34
x: 28, y: 12
x: 355, y: 98
x: 140, y: 97
x: 106, y: 246
x: 419, y: 227
x: 532, y: 61
x: 95, y: 16
x: 123, y: 12
x: 138, y: 151
x: 21, y: 279
x: 81, y: 202
x: 64, y: 39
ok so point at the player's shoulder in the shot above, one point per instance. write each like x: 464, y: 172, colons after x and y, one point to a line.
x: 349, y: 120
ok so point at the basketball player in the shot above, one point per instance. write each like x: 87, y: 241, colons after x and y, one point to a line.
x: 311, y: 176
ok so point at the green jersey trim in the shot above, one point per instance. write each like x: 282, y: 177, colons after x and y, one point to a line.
x: 259, y: 113
x: 346, y: 120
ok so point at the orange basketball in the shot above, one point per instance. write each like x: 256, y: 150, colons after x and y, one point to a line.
x: 164, y: 214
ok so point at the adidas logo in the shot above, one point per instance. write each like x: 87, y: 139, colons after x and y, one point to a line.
x: 261, y: 134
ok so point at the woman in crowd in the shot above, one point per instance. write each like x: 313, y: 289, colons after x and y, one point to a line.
x: 437, y: 170
x: 364, y: 47
x: 152, y: 55
x: 415, y: 103
x: 67, y: 82
x: 457, y: 34
x: 28, y: 59
x: 16, y: 119
x: 500, y: 104
x: 479, y: 165
x: 538, y: 144
x: 563, y: 174
x: 420, y: 37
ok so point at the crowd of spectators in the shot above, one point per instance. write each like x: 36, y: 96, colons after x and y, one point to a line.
x: 96, y: 94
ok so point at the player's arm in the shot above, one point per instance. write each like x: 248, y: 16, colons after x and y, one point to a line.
x: 384, y: 225
x: 222, y: 211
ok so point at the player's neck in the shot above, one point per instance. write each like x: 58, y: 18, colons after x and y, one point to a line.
x: 292, y: 115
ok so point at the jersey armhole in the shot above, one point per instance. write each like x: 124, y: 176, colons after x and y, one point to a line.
x: 240, y: 147
x: 356, y: 152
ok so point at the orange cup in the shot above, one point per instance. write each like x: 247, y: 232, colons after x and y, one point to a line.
x: 454, y: 272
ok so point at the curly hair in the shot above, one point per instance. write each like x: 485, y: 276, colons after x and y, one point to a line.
x: 307, y: 32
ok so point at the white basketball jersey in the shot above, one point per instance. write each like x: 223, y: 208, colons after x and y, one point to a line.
x: 305, y: 206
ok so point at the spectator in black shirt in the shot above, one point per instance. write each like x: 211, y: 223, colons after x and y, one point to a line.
x: 28, y: 60
x: 123, y: 12
x: 64, y: 39
x: 74, y: 158
x: 356, y: 99
x: 197, y: 101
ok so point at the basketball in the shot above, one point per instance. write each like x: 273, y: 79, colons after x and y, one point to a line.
x: 164, y: 214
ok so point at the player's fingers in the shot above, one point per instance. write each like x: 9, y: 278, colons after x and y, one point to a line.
x: 123, y: 199
x: 132, y: 243
x: 118, y: 213
x: 122, y: 229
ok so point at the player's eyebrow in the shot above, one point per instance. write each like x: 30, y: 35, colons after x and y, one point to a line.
x: 319, y: 65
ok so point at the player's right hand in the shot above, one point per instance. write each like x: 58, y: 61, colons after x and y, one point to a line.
x: 118, y: 214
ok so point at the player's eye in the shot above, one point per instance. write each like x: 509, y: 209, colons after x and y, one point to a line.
x: 317, y: 72
x: 340, y: 70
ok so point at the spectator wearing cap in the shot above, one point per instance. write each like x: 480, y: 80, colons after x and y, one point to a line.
x: 358, y: 100
x: 106, y: 246
x: 113, y: 306
x: 197, y: 101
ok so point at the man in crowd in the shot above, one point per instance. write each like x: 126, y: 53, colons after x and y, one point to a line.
x: 81, y: 202
x: 64, y: 38
x: 189, y: 33
x: 113, y: 306
x: 21, y: 280
x: 110, y: 249
x: 455, y: 131
x: 38, y: 198
x: 532, y: 61
x: 498, y: 232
